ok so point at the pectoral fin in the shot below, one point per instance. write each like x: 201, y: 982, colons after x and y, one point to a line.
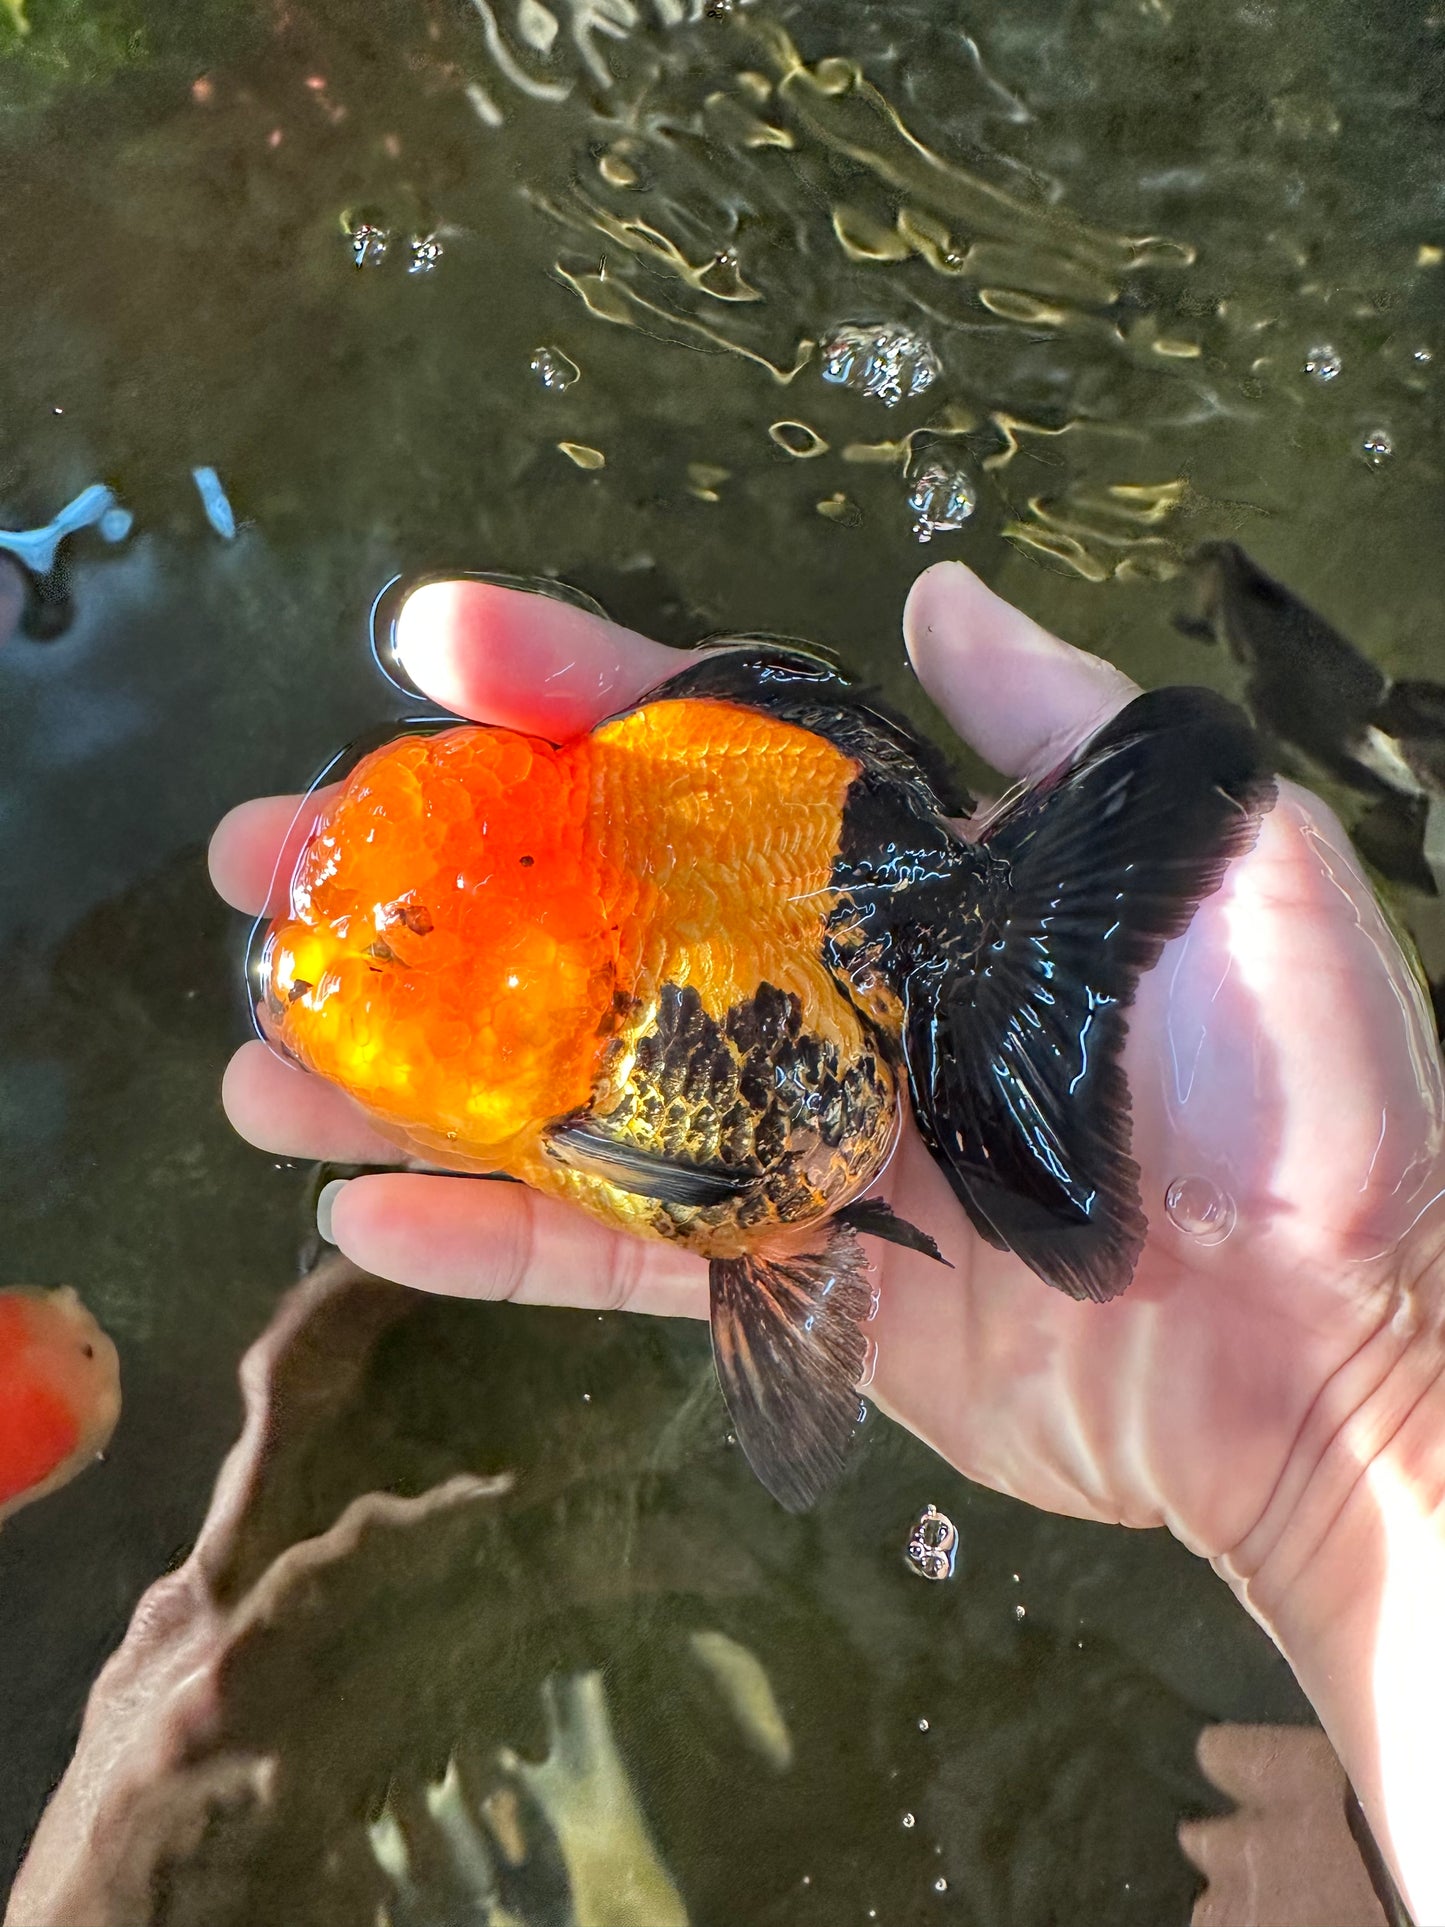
x: 647, y: 1174
x: 877, y: 1219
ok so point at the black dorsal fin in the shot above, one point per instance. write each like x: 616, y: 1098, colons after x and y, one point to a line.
x: 1016, y: 1020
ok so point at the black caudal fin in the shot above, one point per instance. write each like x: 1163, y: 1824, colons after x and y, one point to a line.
x: 787, y: 1339
x: 1015, y: 1027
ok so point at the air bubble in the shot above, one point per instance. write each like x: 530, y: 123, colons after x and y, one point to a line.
x: 423, y: 253
x: 923, y: 1726
x: 940, y: 1886
x: 1324, y: 363
x: 909, y: 1820
x: 932, y: 1545
x: 1377, y: 447
x: 1198, y: 1207
x: 215, y: 503
x: 366, y: 237
x: 870, y: 1364
x: 942, y: 497
x: 38, y: 549
x: 1423, y: 355
x: 554, y: 370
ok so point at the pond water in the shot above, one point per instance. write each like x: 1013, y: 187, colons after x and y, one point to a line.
x: 623, y: 291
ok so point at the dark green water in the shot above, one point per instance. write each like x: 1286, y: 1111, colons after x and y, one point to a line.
x: 676, y: 205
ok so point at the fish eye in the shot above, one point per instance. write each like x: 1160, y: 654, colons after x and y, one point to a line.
x: 87, y: 1350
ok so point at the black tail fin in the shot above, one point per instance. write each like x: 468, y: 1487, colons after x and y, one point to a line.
x: 1015, y: 1032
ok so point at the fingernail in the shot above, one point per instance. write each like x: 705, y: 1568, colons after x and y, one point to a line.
x: 425, y: 616
x: 326, y: 1204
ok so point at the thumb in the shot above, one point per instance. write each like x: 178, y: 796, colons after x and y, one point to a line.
x: 1020, y: 697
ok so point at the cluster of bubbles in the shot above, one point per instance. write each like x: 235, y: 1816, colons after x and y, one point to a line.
x: 932, y: 1545
x: 890, y: 364
x: 370, y: 242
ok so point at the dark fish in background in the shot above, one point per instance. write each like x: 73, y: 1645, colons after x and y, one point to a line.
x: 1318, y: 696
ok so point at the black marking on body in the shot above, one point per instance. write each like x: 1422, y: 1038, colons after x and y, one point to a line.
x: 901, y: 880
x: 753, y: 1101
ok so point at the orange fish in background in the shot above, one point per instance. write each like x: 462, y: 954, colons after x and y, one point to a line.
x: 683, y: 971
x: 59, y: 1392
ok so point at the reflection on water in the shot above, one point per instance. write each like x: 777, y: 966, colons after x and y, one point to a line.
x: 647, y: 286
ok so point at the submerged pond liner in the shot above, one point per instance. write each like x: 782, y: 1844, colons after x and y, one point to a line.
x: 671, y: 207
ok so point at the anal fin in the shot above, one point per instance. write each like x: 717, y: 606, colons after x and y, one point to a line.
x: 787, y: 1339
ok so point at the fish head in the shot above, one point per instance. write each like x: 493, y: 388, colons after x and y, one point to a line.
x: 450, y: 953
x: 59, y: 1392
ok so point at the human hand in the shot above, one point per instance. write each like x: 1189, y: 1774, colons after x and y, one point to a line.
x: 1280, y: 1055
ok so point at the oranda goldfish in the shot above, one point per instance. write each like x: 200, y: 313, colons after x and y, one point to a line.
x: 59, y: 1393
x: 681, y: 970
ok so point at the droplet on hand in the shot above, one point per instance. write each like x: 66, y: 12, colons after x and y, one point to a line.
x: 1198, y: 1207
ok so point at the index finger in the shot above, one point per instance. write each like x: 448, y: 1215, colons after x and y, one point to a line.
x: 524, y: 660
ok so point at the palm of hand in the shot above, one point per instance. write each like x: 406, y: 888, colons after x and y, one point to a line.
x: 1280, y: 1051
